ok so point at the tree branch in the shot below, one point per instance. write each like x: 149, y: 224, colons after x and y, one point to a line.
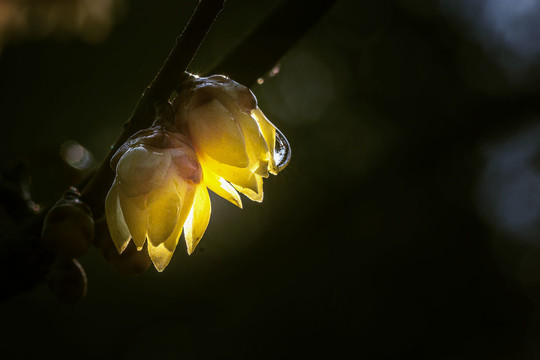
x: 160, y: 89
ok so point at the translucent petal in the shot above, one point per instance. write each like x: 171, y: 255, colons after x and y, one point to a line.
x: 221, y: 187
x: 162, y: 212
x: 198, y: 219
x: 161, y: 254
x: 115, y: 220
x: 214, y: 132
x: 268, y: 131
x: 134, y: 210
x: 243, y: 177
x: 140, y: 170
x: 186, y: 191
x: 256, y: 147
x: 254, y: 195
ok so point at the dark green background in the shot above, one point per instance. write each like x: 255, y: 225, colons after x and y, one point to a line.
x: 370, y: 244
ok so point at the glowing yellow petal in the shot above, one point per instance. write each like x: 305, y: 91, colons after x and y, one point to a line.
x: 214, y: 132
x: 115, y: 220
x: 134, y: 210
x: 198, y: 219
x: 162, y: 211
x: 161, y: 254
x: 242, y: 177
x: 254, y: 195
x: 221, y: 187
x: 186, y: 191
x: 140, y: 170
x: 256, y: 146
x: 268, y: 131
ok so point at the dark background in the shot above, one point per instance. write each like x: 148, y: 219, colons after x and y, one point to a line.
x: 406, y: 225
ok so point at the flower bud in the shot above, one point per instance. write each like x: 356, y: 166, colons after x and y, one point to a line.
x: 157, y: 191
x: 221, y: 141
x: 235, y: 142
x: 68, y: 228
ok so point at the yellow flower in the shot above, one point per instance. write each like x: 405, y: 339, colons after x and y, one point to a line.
x: 225, y: 144
x: 158, y: 189
x: 236, y: 144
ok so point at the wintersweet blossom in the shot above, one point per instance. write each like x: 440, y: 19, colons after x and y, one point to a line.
x: 158, y: 190
x: 221, y: 140
x: 236, y: 144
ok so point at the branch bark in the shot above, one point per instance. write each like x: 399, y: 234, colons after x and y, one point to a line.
x: 167, y: 80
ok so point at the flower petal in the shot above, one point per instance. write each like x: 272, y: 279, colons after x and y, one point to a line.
x: 134, y: 210
x: 161, y: 254
x: 268, y: 131
x: 256, y: 147
x: 198, y: 219
x: 140, y: 170
x: 186, y: 191
x: 253, y: 194
x: 214, y: 132
x: 243, y: 177
x: 221, y: 187
x: 115, y: 220
x: 162, y: 212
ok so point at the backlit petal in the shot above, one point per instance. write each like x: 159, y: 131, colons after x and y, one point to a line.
x: 162, y: 212
x: 256, y: 147
x: 161, y: 254
x: 254, y: 195
x: 268, y: 131
x: 243, y: 177
x: 115, y: 219
x: 140, y: 170
x: 134, y: 210
x: 214, y: 132
x: 198, y: 219
x: 221, y: 187
x: 186, y: 191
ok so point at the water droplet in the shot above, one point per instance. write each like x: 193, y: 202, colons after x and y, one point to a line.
x: 282, y: 151
x: 260, y: 81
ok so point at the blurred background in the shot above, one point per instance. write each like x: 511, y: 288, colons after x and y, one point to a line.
x: 406, y: 224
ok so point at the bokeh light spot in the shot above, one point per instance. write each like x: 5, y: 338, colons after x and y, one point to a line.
x: 76, y: 155
x: 508, y: 30
x: 509, y: 186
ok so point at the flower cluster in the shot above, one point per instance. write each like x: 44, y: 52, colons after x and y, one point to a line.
x: 220, y: 141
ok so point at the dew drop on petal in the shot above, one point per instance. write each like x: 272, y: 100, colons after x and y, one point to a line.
x: 282, y: 151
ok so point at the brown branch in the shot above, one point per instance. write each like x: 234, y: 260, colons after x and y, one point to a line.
x: 160, y: 89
